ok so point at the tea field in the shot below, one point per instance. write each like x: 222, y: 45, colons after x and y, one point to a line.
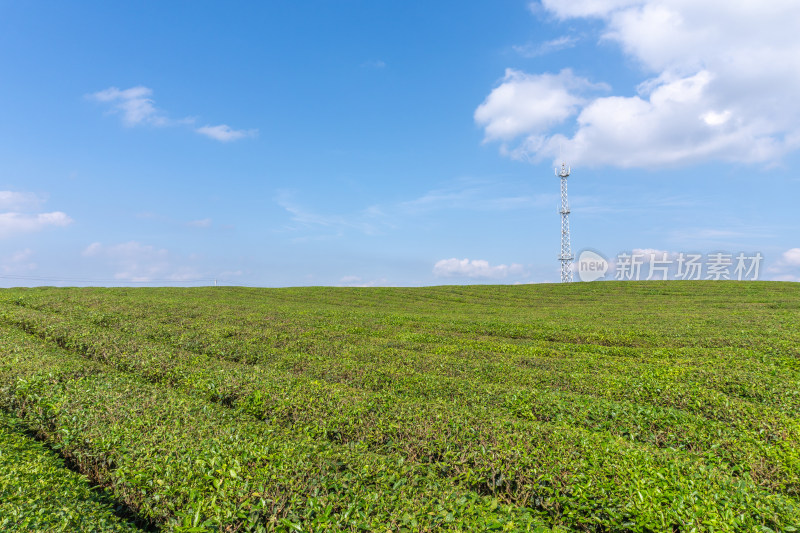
x: 614, y: 406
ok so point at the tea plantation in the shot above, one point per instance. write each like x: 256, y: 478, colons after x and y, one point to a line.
x: 614, y: 406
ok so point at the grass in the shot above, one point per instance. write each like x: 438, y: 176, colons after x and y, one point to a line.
x: 653, y: 406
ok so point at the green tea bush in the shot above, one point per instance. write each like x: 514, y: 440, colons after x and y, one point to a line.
x: 615, y: 407
x: 38, y: 492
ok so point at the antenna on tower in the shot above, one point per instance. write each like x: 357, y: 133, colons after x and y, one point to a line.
x: 565, y: 258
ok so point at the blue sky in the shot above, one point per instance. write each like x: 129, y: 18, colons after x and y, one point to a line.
x: 390, y: 143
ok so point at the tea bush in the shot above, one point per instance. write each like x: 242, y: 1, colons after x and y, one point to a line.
x: 653, y: 406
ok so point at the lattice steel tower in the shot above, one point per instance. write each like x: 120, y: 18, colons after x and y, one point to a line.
x: 566, y: 250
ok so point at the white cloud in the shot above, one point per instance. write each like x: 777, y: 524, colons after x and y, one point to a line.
x: 547, y: 47
x: 475, y: 268
x: 18, y: 217
x: 137, y: 108
x: 134, y: 104
x: 525, y: 103
x: 137, y: 262
x: 722, y: 79
x: 787, y: 268
x: 15, y: 223
x: 583, y: 8
x: 716, y: 119
x: 791, y: 257
x: 225, y: 133
x: 18, y: 201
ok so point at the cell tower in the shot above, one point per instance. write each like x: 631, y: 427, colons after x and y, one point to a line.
x: 566, y: 250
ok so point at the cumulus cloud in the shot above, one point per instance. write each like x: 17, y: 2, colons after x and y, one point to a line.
x: 137, y: 262
x: 225, y: 133
x: 474, y: 268
x: 137, y: 107
x: 525, y: 103
x: 721, y: 80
